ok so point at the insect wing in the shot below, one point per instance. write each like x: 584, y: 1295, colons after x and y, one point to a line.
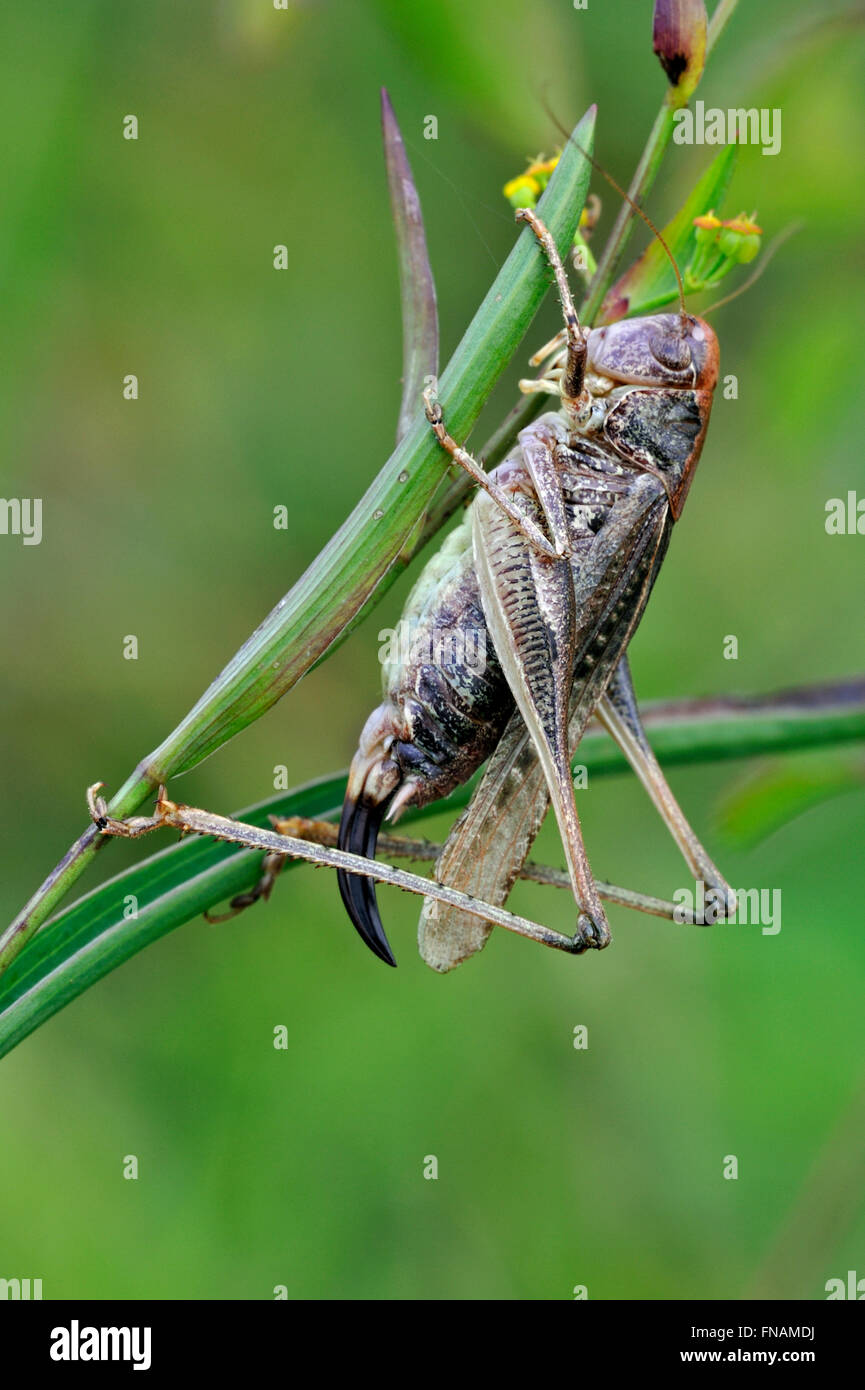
x: 612, y: 578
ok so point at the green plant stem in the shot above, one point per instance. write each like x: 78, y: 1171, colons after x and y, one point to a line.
x: 644, y: 177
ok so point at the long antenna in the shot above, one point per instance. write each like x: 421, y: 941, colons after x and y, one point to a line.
x: 637, y: 209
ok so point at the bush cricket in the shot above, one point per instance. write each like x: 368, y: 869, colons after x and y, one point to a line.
x: 553, y: 563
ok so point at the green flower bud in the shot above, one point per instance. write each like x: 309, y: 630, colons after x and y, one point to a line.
x: 740, y: 239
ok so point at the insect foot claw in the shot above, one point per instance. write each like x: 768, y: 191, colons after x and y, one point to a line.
x: 591, y: 935
x: 432, y: 407
x: 136, y: 825
x: 98, y: 808
x: 720, y: 901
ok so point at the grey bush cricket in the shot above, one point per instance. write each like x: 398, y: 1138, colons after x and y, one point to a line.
x: 557, y: 559
x: 554, y: 562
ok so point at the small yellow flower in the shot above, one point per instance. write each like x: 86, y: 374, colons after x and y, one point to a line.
x: 708, y: 222
x: 522, y: 187
x: 542, y: 166
x: 745, y: 226
x: 529, y: 186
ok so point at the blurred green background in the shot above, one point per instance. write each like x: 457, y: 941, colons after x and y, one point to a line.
x: 304, y: 1167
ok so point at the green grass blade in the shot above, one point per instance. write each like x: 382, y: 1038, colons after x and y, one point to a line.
x: 420, y: 325
x: 92, y: 936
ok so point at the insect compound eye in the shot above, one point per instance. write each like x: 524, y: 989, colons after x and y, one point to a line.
x: 671, y: 349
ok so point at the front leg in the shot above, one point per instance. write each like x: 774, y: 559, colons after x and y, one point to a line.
x: 524, y: 524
